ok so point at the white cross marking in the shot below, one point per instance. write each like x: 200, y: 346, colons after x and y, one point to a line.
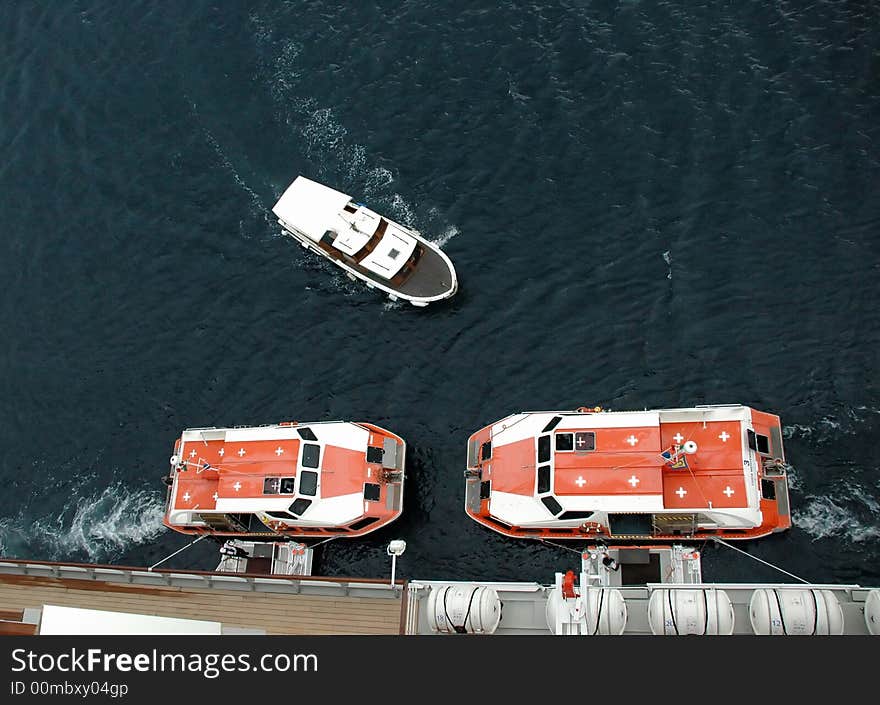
x: 222, y: 452
x: 678, y: 438
x: 241, y: 452
x: 580, y: 482
x: 582, y: 442
x: 728, y: 491
x: 278, y: 451
x: 632, y: 440
x: 724, y: 436
x: 681, y: 492
x: 237, y: 486
x: 633, y: 481
x: 192, y: 453
x: 215, y: 496
x: 187, y: 497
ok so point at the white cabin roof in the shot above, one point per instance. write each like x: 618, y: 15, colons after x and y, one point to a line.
x: 313, y: 208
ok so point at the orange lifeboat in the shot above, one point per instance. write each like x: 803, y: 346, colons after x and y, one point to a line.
x: 285, y: 481
x: 668, y: 474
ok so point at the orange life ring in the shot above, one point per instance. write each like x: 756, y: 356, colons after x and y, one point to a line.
x: 590, y: 527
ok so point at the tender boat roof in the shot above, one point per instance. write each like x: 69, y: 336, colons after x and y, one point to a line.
x: 312, y: 207
x: 307, y: 475
x: 551, y: 467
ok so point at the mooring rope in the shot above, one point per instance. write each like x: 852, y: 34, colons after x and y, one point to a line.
x: 775, y: 567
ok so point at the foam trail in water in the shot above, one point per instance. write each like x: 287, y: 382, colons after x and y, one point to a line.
x: 98, y: 526
x: 445, y: 236
x: 325, y: 140
x: 668, y: 259
x: 823, y: 518
x: 828, y: 428
x: 258, y: 207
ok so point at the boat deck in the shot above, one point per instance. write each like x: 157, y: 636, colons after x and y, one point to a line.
x: 430, y: 276
x: 252, y: 604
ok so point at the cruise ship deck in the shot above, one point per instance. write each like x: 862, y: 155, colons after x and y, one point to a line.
x: 242, y: 604
x: 601, y: 601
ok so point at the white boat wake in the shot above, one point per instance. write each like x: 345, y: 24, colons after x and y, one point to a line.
x: 325, y: 140
x: 823, y: 518
x: 98, y: 526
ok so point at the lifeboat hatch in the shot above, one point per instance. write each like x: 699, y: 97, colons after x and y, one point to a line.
x: 638, y: 525
x: 639, y: 567
x: 239, y: 523
x: 473, y: 452
x: 675, y: 524
x: 473, y: 495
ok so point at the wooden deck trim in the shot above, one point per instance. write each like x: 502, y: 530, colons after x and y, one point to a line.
x: 207, y: 573
x: 274, y: 613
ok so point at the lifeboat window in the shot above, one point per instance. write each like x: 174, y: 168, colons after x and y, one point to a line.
x: 278, y: 485
x: 371, y: 492
x: 311, y: 455
x: 485, y: 489
x: 584, y: 440
x: 753, y: 442
x: 553, y: 423
x: 763, y: 443
x: 564, y: 441
x: 307, y: 434
x: 544, y: 449
x: 768, y: 489
x: 543, y: 479
x: 308, y: 483
x: 361, y: 523
x: 299, y: 506
x: 374, y: 455
x: 551, y: 504
x: 486, y: 450
x: 281, y: 515
x: 575, y: 514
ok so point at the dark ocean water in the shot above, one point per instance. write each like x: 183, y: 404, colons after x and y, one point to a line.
x: 648, y: 204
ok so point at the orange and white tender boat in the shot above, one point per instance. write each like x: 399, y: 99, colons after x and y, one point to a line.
x: 699, y: 473
x: 286, y: 480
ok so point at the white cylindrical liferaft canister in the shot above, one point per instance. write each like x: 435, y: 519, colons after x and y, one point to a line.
x: 601, y: 611
x: 872, y: 611
x: 703, y: 611
x: 795, y: 611
x: 464, y: 609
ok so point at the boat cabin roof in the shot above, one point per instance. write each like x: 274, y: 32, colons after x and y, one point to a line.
x: 625, y: 461
x: 330, y: 217
x: 273, y: 468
